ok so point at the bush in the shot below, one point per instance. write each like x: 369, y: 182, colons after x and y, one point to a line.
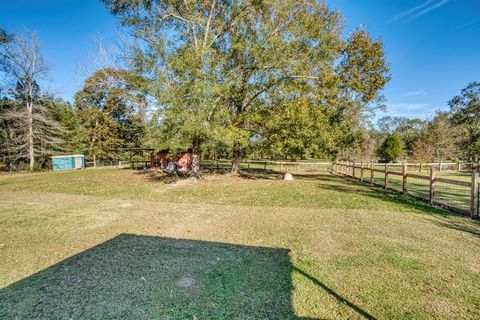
x: 391, y: 148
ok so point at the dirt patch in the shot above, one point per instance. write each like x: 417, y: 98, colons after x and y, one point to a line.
x: 186, y: 283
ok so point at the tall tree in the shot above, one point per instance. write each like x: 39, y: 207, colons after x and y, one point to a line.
x: 36, y: 133
x: 274, y: 58
x: 359, y: 79
x: 180, y: 50
x: 465, y: 110
x: 437, y: 140
x: 111, y: 110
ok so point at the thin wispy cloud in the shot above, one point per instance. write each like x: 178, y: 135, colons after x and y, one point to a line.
x: 409, y: 106
x: 467, y: 24
x: 411, y: 110
x: 418, y: 93
x: 420, y: 10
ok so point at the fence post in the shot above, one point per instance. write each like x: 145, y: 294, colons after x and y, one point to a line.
x: 361, y: 171
x: 474, y: 214
x: 265, y: 166
x: 421, y: 166
x: 431, y: 197
x: 372, y: 173
x: 405, y: 177
x: 336, y: 166
x: 353, y: 169
x: 459, y: 166
x: 386, y: 176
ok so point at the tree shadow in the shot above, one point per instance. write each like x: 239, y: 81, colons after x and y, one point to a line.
x: 335, y: 295
x: 346, y: 185
x: 441, y: 217
x: 146, y: 277
x: 466, y: 225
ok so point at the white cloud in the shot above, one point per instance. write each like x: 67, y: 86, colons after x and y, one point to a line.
x: 467, y: 24
x: 418, y: 93
x: 408, y: 106
x: 420, y: 10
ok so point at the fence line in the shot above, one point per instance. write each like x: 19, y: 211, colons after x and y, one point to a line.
x: 456, y: 195
x: 269, y: 165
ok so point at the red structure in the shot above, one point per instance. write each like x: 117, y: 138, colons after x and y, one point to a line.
x: 161, y: 159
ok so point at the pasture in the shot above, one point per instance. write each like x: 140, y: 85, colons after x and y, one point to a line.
x: 108, y: 243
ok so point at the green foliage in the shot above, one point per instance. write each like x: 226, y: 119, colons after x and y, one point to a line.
x: 66, y: 115
x: 409, y: 130
x: 294, y: 129
x: 240, y: 71
x: 111, y: 109
x: 364, y: 69
x: 465, y: 109
x: 391, y: 149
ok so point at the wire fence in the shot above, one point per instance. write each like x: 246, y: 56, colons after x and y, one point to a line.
x: 270, y: 165
x: 456, y: 190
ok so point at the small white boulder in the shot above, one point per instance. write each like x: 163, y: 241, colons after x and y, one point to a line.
x: 288, y: 177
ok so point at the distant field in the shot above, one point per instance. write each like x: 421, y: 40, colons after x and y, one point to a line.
x: 107, y: 243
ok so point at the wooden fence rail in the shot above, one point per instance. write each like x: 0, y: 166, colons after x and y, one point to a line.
x: 406, y: 185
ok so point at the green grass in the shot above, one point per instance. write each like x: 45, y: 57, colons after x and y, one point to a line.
x: 445, y: 193
x: 106, y: 243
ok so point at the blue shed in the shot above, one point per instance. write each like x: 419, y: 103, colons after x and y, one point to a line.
x: 71, y: 162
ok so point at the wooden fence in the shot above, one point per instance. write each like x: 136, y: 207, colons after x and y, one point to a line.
x: 270, y: 165
x: 458, y: 194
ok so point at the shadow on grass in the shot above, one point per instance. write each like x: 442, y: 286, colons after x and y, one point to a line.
x: 443, y: 218
x: 346, y: 185
x: 144, y: 277
x: 466, y: 225
x: 339, y: 298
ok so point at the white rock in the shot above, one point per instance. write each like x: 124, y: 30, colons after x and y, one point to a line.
x: 288, y: 177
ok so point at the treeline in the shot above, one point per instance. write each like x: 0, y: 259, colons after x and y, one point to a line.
x: 451, y: 135
x: 107, y: 119
x: 227, y: 79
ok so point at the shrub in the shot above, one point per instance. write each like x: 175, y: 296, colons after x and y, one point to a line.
x: 391, y: 148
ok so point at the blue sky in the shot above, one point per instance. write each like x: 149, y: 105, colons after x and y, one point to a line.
x: 432, y: 46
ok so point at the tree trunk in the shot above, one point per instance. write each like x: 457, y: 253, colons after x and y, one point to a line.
x: 31, y: 156
x: 196, y: 156
x: 237, y: 154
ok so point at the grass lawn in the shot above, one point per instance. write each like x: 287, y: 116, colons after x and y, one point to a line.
x: 445, y: 193
x: 110, y: 244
